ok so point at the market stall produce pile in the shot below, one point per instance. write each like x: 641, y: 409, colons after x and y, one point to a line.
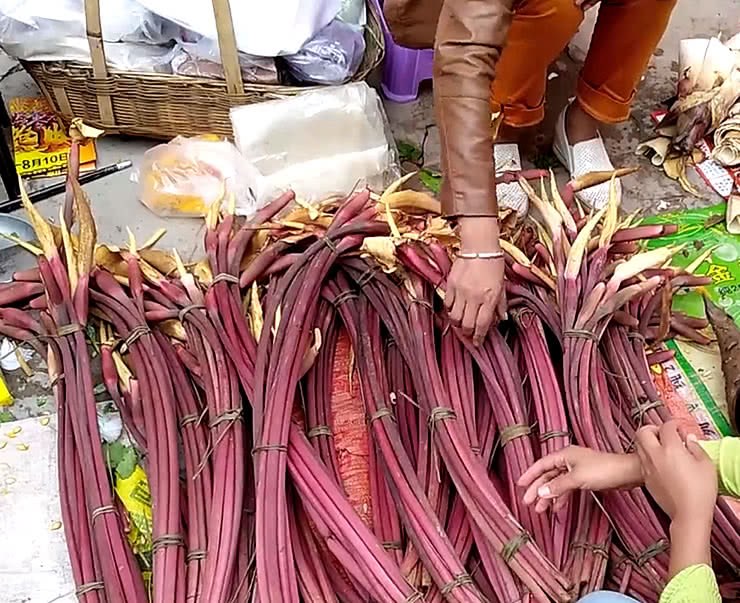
x: 225, y: 373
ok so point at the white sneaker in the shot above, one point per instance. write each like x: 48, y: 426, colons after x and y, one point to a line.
x: 582, y: 158
x: 510, y: 195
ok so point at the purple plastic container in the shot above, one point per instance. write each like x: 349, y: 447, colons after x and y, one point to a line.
x: 403, y: 68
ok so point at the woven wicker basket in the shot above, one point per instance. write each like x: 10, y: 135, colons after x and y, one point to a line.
x: 162, y: 105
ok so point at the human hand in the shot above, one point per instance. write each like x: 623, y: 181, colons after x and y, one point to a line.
x: 679, y: 475
x: 475, y: 295
x: 552, y: 479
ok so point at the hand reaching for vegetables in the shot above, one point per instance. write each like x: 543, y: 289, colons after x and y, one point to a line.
x: 677, y: 472
x: 551, y: 480
x: 475, y: 297
x: 683, y: 481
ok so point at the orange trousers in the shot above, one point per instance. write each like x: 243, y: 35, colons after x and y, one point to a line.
x: 625, y: 37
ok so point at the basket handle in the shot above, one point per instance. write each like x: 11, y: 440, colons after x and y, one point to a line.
x: 228, y: 48
x: 97, y: 56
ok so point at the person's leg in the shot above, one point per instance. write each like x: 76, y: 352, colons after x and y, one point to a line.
x: 539, y: 31
x: 605, y: 596
x: 625, y: 37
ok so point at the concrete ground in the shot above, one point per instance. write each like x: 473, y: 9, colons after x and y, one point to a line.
x: 115, y: 201
x: 649, y: 187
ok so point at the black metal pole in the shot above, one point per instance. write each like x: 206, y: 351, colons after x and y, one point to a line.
x: 7, y: 158
x: 9, y: 205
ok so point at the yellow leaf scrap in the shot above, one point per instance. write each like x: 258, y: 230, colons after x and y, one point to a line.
x: 30, y: 247
x: 159, y: 259
x: 131, y: 242
x: 313, y: 213
x: 383, y: 249
x: 611, y: 217
x: 84, y: 130
x: 578, y: 250
x: 88, y: 232
x: 703, y: 257
x: 519, y: 257
x: 109, y: 257
x: 212, y: 215
x: 154, y: 239
x: 43, y: 230
x: 410, y: 200
x: 124, y: 373
x: 256, y: 315
x: 560, y: 205
x: 174, y: 329
x: 22, y: 362
x: 395, y: 233
x: 202, y: 271
x: 68, y: 251
x: 230, y: 204
x: 294, y: 225
x: 549, y: 214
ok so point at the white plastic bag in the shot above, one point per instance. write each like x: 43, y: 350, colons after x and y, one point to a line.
x: 38, y: 30
x: 262, y: 28
x: 185, y: 176
x: 321, y: 143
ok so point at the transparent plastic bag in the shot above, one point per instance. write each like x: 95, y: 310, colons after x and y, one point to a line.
x: 185, y: 176
x: 354, y: 12
x: 331, y: 57
x: 322, y: 143
x: 203, y: 59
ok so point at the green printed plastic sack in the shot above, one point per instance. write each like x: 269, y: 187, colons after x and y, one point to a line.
x: 692, y: 384
x: 700, y: 230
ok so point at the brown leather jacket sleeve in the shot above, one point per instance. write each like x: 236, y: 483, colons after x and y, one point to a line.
x: 470, y: 36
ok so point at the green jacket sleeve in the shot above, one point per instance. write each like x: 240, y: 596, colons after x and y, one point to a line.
x: 725, y: 455
x: 695, y: 584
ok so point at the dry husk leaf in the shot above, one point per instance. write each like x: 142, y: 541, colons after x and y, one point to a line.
x: 383, y: 249
x: 655, y: 149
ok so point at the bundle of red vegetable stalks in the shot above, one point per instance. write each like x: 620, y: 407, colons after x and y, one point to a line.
x: 226, y: 375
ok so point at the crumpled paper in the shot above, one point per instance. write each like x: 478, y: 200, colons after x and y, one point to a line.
x: 727, y: 139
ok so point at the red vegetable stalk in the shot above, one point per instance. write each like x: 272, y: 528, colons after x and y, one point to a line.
x: 278, y: 373
x: 484, y: 505
x: 419, y: 518
x: 66, y: 288
x: 549, y: 408
x: 158, y: 403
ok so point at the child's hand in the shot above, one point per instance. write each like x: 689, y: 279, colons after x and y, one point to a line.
x: 679, y: 475
x: 552, y: 479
